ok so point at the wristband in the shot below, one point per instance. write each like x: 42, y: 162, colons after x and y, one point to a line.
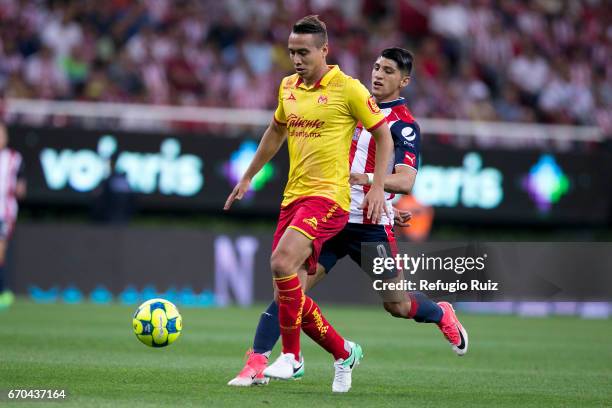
x: 370, y: 178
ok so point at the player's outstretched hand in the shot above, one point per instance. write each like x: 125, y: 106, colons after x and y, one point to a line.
x: 241, y: 188
x: 376, y: 204
x: 401, y: 217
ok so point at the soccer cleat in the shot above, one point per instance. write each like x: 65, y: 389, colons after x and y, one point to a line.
x: 453, y: 330
x: 344, y: 368
x: 6, y: 299
x: 286, y: 368
x: 252, y: 373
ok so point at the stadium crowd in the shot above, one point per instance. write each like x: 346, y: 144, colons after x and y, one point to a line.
x: 509, y: 60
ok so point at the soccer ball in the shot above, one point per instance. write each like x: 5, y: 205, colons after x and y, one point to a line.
x: 157, y: 323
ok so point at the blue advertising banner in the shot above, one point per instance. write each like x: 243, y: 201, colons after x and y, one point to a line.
x: 187, y: 171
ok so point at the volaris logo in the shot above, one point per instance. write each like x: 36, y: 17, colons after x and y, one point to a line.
x: 546, y: 183
x: 472, y: 185
x: 167, y: 172
x: 238, y: 163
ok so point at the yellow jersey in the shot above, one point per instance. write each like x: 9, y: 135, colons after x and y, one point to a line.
x: 321, y: 121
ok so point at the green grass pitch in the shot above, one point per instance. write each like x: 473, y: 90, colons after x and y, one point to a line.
x: 90, y: 351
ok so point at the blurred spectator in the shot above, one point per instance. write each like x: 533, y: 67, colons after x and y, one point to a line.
x: 62, y: 33
x: 450, y: 20
x: 508, y: 105
x: 526, y: 59
x: 529, y: 71
x: 43, y: 73
x: 563, y: 97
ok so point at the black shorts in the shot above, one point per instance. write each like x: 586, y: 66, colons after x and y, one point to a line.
x: 349, y: 240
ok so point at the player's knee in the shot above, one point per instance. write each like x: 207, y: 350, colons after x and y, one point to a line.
x: 280, y: 264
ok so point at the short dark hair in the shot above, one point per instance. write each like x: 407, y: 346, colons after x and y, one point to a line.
x: 403, y: 58
x: 312, y: 25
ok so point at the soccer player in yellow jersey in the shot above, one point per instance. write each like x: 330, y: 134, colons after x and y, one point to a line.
x: 318, y: 110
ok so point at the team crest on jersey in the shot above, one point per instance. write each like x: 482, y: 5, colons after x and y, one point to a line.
x: 322, y: 100
x: 372, y: 105
x: 311, y: 221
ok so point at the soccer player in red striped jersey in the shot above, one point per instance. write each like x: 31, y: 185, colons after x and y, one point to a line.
x: 318, y: 109
x: 12, y: 187
x: 390, y: 74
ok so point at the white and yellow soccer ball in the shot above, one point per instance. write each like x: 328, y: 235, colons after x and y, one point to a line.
x: 157, y: 323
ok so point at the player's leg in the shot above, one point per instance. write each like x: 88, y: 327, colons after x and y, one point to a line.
x: 316, y: 326
x: 347, y: 354
x: 420, y: 308
x: 268, y: 330
x: 289, y: 254
x: 6, y: 296
x: 266, y: 336
x: 416, y: 305
x: 319, y: 220
x: 314, y: 323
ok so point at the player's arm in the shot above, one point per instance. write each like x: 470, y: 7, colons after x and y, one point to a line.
x: 400, y: 182
x: 270, y: 143
x: 407, y: 142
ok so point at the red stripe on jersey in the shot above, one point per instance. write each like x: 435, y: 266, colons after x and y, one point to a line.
x: 352, y: 152
x: 369, y: 168
x: 371, y: 157
x: 377, y: 125
x: 391, y: 239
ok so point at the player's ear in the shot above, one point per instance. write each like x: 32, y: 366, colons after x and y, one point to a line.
x: 405, y: 81
x: 325, y: 50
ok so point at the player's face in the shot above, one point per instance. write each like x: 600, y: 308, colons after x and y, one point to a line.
x: 307, y: 55
x: 387, y: 80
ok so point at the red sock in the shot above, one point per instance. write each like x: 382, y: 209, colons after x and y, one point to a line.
x: 290, y: 304
x: 321, y: 331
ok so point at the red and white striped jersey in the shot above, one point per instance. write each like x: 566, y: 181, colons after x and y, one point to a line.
x: 11, y: 165
x: 406, y: 152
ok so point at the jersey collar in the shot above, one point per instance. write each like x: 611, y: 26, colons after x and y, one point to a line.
x: 390, y: 104
x: 333, y: 70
